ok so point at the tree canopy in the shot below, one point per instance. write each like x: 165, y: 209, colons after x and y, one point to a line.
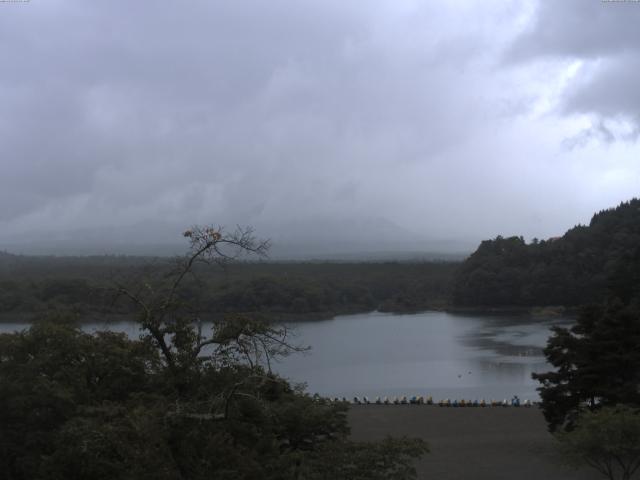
x: 596, y: 363
x: 178, y: 403
x: 608, y: 440
x: 35, y: 286
x: 576, y: 269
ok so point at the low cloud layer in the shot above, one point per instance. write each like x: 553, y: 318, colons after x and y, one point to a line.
x: 433, y: 121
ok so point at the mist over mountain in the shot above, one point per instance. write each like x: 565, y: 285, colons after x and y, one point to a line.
x: 363, y: 238
x: 453, y: 120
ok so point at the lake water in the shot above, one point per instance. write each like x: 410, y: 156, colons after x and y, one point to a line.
x: 430, y: 353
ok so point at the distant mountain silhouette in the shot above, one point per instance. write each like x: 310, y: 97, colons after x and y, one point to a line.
x: 326, y: 238
x: 358, y: 238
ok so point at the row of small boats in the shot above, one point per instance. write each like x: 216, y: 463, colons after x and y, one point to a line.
x: 419, y: 400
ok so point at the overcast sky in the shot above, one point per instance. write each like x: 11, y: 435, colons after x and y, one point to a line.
x: 426, y: 119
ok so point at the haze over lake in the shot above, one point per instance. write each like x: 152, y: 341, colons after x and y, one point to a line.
x: 429, y: 353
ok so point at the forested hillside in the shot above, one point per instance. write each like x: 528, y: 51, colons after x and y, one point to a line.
x: 275, y: 290
x: 582, y: 266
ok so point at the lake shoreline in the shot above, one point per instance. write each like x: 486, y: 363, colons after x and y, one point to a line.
x: 546, y: 312
x: 380, y: 354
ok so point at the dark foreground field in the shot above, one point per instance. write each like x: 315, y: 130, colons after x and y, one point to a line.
x: 470, y: 443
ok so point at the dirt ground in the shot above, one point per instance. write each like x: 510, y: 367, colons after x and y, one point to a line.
x: 491, y: 443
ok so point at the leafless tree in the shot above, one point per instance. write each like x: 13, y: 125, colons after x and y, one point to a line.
x: 176, y: 329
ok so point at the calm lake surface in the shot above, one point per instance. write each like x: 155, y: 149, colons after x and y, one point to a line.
x: 430, y: 353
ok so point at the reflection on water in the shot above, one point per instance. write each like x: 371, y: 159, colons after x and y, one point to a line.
x: 430, y: 353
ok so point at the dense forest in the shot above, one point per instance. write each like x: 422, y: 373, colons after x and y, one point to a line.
x: 578, y: 268
x: 583, y: 266
x: 275, y: 290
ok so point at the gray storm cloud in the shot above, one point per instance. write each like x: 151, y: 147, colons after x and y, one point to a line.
x: 430, y: 121
x: 605, y: 37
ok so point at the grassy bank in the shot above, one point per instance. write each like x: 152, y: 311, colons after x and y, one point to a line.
x: 470, y: 443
